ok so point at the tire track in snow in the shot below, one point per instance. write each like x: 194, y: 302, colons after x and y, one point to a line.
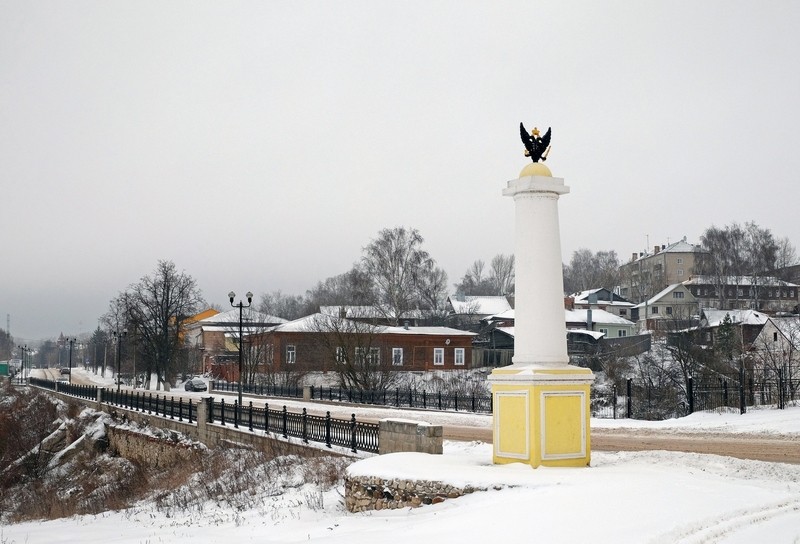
x: 715, y: 529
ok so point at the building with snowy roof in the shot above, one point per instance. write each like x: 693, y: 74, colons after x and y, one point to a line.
x: 648, y: 273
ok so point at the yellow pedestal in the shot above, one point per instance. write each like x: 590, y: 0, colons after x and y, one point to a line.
x: 541, y: 415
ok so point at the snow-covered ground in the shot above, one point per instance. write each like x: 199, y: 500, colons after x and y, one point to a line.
x: 623, y: 497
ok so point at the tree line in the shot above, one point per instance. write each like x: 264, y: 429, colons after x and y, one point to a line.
x: 396, y: 275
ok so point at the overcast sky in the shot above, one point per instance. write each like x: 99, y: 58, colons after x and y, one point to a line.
x: 261, y: 145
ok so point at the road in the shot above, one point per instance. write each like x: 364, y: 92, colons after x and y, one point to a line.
x: 743, y: 446
x: 762, y: 447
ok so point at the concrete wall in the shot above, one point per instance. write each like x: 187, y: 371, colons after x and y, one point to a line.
x: 398, y: 435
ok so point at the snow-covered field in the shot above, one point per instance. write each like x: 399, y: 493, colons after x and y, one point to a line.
x: 623, y: 497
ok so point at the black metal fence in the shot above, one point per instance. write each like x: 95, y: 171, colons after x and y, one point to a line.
x: 642, y: 400
x: 635, y: 400
x: 351, y: 434
x: 408, y: 398
x: 160, y: 405
x: 268, y: 390
x: 348, y: 433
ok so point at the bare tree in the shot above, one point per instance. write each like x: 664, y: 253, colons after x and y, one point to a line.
x: 289, y: 307
x: 432, y: 293
x: 158, y: 303
x: 587, y: 270
x: 498, y: 281
x: 397, y: 266
x: 786, y: 257
x: 474, y: 283
x: 737, y: 251
x: 360, y: 360
x: 501, y: 274
x: 351, y: 288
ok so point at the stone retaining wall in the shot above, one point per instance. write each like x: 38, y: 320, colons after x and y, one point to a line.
x: 159, y: 449
x: 364, y: 493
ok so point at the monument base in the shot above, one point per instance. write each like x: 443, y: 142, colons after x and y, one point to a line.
x: 541, y: 415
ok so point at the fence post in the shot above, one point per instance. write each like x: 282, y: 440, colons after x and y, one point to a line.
x: 328, y: 429
x: 250, y: 417
x: 742, y: 403
x: 690, y: 394
x: 455, y: 400
x: 353, y: 433
x: 439, y: 394
x: 614, y: 400
x: 285, y: 422
x: 781, y: 404
x: 305, y: 426
x: 266, y: 417
x: 630, y: 402
x: 222, y: 411
x: 180, y: 409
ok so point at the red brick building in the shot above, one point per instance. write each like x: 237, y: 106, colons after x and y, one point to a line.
x: 318, y: 343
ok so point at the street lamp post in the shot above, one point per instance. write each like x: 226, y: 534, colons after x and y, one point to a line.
x: 118, y: 337
x: 71, y: 343
x: 241, y: 305
x: 23, y: 350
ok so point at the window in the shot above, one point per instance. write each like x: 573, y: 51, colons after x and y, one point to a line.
x: 680, y: 260
x: 622, y: 332
x: 374, y: 356
x: 623, y: 311
x: 459, y: 356
x: 654, y: 310
x: 669, y: 310
x: 291, y: 354
x: 438, y: 356
x: 680, y: 271
x: 677, y: 294
x: 604, y: 331
x: 739, y: 292
x: 774, y: 336
x: 397, y: 356
x: 268, y: 355
x: 360, y: 355
x: 340, y: 355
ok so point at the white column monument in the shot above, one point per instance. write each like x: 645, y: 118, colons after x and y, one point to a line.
x: 541, y: 402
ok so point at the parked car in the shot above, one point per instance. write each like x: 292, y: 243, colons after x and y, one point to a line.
x: 66, y: 370
x: 195, y: 384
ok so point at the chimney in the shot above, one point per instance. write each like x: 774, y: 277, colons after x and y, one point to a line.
x: 633, y: 257
x: 569, y: 303
x: 656, y: 249
x: 405, y: 324
x: 589, y: 319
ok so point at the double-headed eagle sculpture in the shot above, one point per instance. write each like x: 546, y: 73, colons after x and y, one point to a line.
x: 536, y: 147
